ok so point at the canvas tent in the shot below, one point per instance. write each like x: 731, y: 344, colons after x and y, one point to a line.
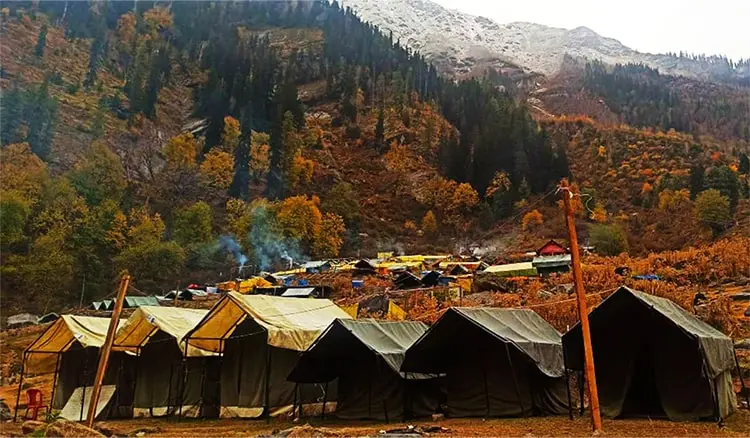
x: 259, y: 338
x: 497, y: 362
x: 165, y: 385
x: 69, y: 348
x: 366, y: 356
x: 654, y: 358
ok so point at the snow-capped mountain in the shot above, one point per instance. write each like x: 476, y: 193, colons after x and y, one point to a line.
x: 459, y: 42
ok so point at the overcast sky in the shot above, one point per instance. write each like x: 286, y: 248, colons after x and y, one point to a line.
x: 655, y: 26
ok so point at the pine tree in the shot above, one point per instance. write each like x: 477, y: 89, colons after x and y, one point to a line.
x: 380, y: 132
x: 41, y: 117
x: 12, y: 109
x: 744, y: 167
x: 41, y: 41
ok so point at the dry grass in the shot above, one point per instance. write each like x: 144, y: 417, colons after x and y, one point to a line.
x: 737, y: 425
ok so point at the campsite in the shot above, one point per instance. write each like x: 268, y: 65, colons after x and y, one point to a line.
x: 382, y: 218
x: 255, y: 356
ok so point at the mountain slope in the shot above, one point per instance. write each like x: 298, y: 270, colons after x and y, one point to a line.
x: 461, y: 41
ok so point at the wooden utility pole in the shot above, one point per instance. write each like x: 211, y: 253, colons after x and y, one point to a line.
x: 596, y: 419
x: 106, y: 349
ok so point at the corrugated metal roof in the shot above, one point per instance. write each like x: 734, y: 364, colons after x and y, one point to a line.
x: 551, y: 261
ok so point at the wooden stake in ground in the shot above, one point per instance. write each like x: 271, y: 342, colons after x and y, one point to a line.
x: 106, y: 349
x: 596, y: 419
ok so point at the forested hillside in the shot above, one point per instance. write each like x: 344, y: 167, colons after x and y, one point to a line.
x: 189, y: 137
x: 183, y: 139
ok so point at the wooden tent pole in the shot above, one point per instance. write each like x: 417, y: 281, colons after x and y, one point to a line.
x: 106, y: 349
x: 596, y: 419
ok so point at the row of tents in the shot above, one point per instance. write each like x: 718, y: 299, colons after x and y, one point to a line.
x: 254, y: 356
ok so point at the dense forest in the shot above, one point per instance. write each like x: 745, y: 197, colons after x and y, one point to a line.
x: 235, y: 189
x: 643, y: 97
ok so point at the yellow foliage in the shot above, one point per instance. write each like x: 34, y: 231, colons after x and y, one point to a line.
x: 501, y: 181
x: 230, y: 137
x: 143, y: 227
x: 429, y: 223
x: 181, y: 150
x: 218, y: 168
x: 22, y: 171
x: 602, y: 151
x: 464, y: 198
x: 410, y: 226
x: 329, y: 239
x: 670, y: 200
x: 116, y: 236
x: 599, y: 214
x: 532, y: 219
x: 238, y: 218
x: 299, y: 217
x: 259, y: 157
x: 157, y: 18
x: 301, y: 171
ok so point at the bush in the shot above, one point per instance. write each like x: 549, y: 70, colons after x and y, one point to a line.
x: 712, y: 210
x: 608, y: 240
x: 353, y: 132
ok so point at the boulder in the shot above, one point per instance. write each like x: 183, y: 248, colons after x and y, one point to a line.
x: 31, y: 426
x: 5, y: 413
x: 65, y: 428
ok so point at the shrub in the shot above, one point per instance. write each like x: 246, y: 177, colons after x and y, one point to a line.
x: 608, y: 240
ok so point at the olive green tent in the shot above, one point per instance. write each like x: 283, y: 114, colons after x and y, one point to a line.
x: 69, y: 349
x: 170, y: 379
x: 653, y: 358
x: 259, y: 338
x: 497, y: 362
x: 366, y: 356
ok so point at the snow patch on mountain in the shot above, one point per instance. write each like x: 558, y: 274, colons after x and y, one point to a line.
x: 462, y: 41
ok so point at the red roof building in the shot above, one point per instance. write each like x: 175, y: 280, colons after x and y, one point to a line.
x: 552, y: 248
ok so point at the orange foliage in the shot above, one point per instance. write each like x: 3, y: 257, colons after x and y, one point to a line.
x: 532, y: 220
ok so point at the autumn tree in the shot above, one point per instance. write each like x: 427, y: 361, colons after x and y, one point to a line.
x: 725, y: 180
x: 344, y: 201
x: 259, y: 160
x: 99, y: 175
x: 499, y: 194
x: 328, y: 241
x: 193, y: 225
x: 600, y: 213
x: 429, y: 223
x: 299, y: 217
x: 217, y: 169
x: 532, y: 220
x: 23, y: 172
x: 238, y: 217
x: 182, y: 150
x: 230, y: 137
x: 609, y: 240
x: 713, y: 210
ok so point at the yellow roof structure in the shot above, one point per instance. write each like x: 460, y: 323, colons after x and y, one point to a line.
x: 88, y: 331
x: 146, y: 321
x: 420, y: 258
x: 291, y: 323
x: 407, y: 265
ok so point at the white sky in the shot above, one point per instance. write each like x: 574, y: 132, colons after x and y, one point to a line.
x: 654, y: 26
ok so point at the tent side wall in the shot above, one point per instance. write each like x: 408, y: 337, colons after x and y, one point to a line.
x: 78, y: 369
x: 651, y: 368
x: 247, y: 363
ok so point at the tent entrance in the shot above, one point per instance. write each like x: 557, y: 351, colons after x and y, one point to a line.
x: 642, y: 398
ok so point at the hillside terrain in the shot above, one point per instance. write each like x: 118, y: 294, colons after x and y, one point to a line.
x: 178, y: 143
x: 461, y: 42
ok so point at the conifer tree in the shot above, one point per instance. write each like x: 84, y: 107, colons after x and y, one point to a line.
x: 41, y: 41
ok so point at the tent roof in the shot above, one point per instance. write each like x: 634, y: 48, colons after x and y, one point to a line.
x: 386, y: 339
x: 551, y: 261
x: 523, y: 328
x: 147, y: 320
x: 298, y: 292
x: 716, y: 346
x: 61, y: 335
x: 510, y: 267
x: 291, y: 323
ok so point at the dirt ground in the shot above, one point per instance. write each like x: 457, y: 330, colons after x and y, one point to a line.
x: 737, y: 425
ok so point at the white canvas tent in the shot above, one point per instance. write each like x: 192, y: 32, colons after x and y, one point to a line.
x: 259, y: 338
